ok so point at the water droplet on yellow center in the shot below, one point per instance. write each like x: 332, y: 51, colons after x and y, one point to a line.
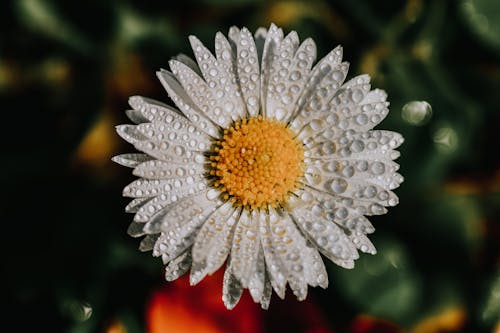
x: 257, y: 163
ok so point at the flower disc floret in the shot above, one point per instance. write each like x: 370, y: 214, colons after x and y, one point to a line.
x: 257, y: 163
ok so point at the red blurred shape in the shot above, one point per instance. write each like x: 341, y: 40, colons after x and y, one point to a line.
x: 367, y: 324
x: 181, y: 308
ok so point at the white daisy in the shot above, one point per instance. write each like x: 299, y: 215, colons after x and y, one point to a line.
x: 266, y: 163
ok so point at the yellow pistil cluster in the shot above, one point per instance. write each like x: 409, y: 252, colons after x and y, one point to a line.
x: 257, y: 163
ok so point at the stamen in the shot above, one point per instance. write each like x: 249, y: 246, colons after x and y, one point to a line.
x: 257, y: 163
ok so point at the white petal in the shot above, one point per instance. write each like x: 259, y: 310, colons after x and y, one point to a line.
x: 257, y: 280
x: 172, y: 153
x: 319, y: 73
x: 375, y: 96
x: 290, y: 247
x: 326, y: 235
x: 275, y: 268
x: 279, y: 97
x: 316, y: 108
x: 344, y: 184
x: 226, y: 53
x: 178, y: 266
x: 225, y: 92
x: 352, y: 192
x: 185, y: 104
x: 298, y: 76
x: 179, y: 191
x: 131, y: 160
x: 129, y: 133
x: 151, y: 188
x: 217, y: 244
x: 271, y: 46
x: 245, y: 248
x: 135, y: 204
x: 205, y: 98
x: 260, y: 38
x: 182, y: 133
x: 180, y: 224
x: 136, y: 229
x: 226, y: 56
x: 136, y: 116
x: 166, y: 170
x: 346, y: 212
x: 315, y: 270
x: 148, y: 242
x: 154, y: 110
x: 362, y: 242
x: 248, y: 71
x: 231, y: 289
x: 186, y: 60
x: 371, y: 145
x: 234, y: 34
x: 266, y: 294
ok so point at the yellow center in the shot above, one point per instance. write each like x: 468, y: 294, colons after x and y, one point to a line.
x: 257, y: 163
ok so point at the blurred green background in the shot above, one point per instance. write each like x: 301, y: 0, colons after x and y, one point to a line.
x: 68, y: 67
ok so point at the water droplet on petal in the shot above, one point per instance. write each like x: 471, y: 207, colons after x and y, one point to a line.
x: 212, y: 194
x: 377, y: 168
x: 338, y: 185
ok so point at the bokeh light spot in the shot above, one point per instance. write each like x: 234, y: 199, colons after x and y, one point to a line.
x: 417, y: 112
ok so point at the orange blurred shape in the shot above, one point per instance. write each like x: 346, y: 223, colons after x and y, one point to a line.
x: 448, y: 320
x: 116, y: 327
x: 287, y: 12
x: 496, y: 329
x: 182, y: 308
x: 98, y: 145
x: 368, y: 324
x: 128, y: 75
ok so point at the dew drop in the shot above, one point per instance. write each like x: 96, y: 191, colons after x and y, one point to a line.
x: 362, y: 119
x: 180, y: 172
x: 357, y: 146
x: 286, y: 99
x: 212, y: 194
x: 376, y: 209
x: 341, y: 213
x: 328, y: 148
x: 370, y: 192
x: 416, y: 112
x: 338, y: 185
x: 252, y: 101
x: 295, y: 76
x: 357, y: 95
x: 348, y: 171
x: 384, y: 195
x: 377, y: 168
x: 316, y: 124
x: 179, y: 150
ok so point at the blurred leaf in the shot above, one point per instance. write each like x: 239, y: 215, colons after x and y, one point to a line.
x: 384, y: 285
x: 134, y: 27
x: 483, y: 17
x: 41, y: 16
x: 491, y: 309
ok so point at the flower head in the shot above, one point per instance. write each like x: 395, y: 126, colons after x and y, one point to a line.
x: 266, y: 162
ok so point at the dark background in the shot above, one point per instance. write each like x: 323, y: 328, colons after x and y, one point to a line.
x: 68, y: 67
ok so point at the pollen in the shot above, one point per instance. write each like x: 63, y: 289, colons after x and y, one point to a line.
x: 257, y: 163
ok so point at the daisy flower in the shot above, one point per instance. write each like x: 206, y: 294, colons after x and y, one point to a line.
x: 267, y: 163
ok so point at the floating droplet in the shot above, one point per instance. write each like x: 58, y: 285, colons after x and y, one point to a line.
x: 416, y: 112
x: 446, y: 139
